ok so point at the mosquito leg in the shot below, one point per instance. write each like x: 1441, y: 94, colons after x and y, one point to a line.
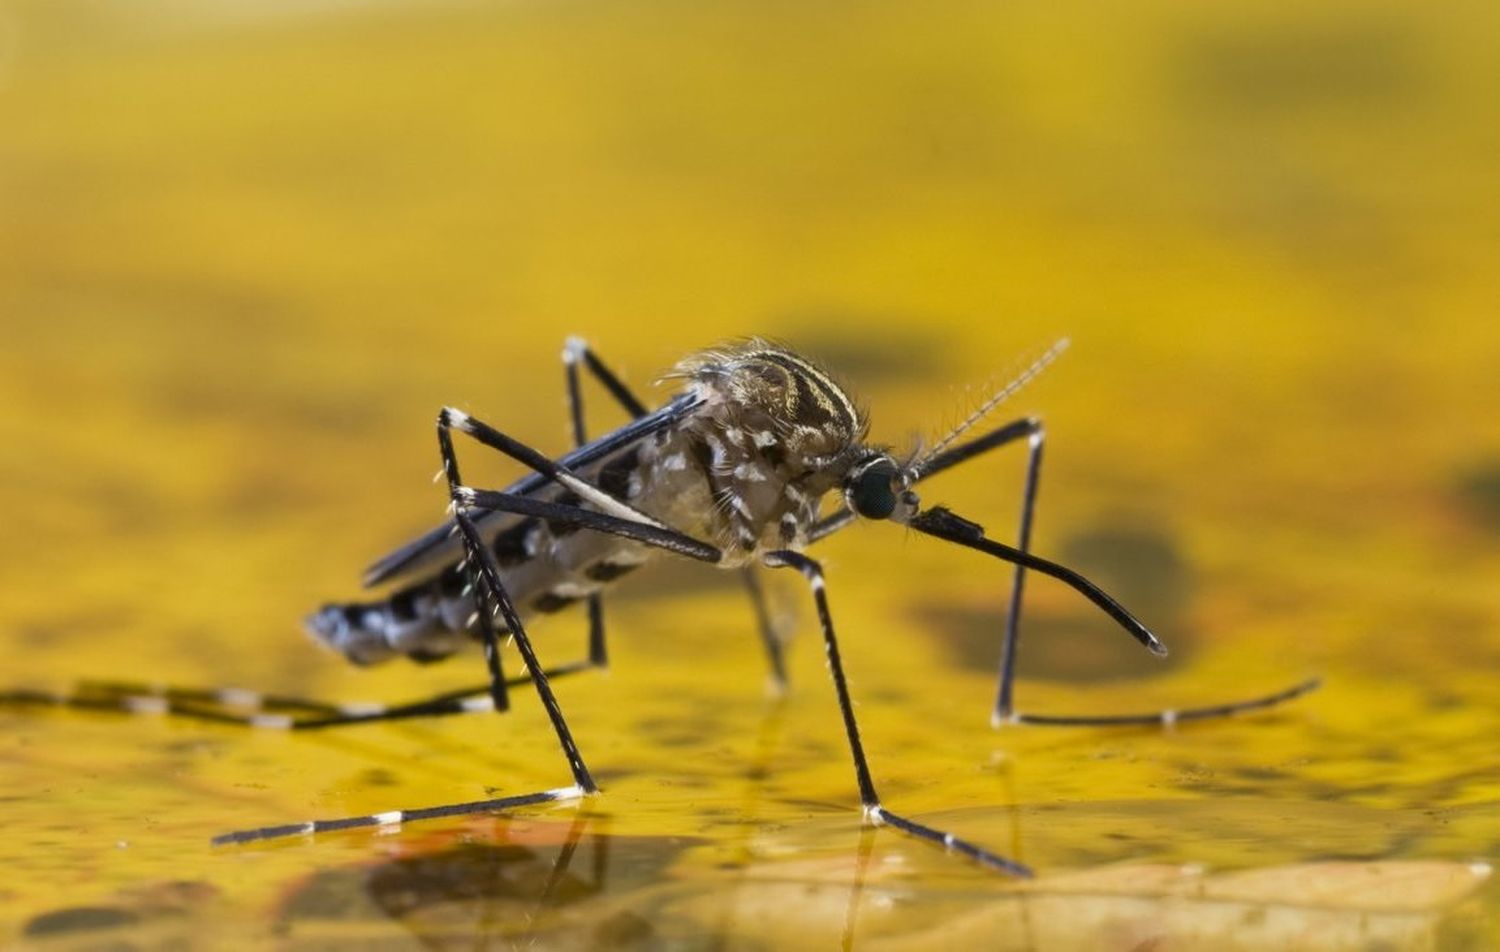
x: 246, y: 708
x: 573, y: 351
x: 1031, y: 430
x: 769, y: 637
x: 1035, y: 434
x: 490, y: 597
x: 441, y: 542
x: 397, y: 817
x: 577, y: 351
x: 450, y: 419
x: 941, y: 523
x: 598, y: 653
x: 1170, y: 716
x: 874, y: 811
x: 490, y: 591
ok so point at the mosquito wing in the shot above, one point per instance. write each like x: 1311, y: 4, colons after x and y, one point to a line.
x: 440, y: 546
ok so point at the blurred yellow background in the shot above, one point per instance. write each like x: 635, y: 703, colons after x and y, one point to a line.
x: 248, y: 249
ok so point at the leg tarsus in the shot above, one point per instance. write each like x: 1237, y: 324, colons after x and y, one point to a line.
x: 396, y: 818
x: 1170, y: 716
x: 880, y: 816
x: 245, y: 708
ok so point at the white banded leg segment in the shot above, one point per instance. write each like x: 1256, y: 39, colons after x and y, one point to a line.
x: 242, y: 698
x: 219, y: 705
x: 146, y: 704
x: 952, y: 843
x: 243, y: 708
x: 1170, y: 717
x: 496, y: 440
x: 482, y: 500
x: 394, y: 818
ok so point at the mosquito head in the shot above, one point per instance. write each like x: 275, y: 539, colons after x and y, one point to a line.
x: 878, y: 488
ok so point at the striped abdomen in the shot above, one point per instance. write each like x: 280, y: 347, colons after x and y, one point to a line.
x: 544, y: 569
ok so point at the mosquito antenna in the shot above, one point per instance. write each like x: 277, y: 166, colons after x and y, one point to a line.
x: 1032, y: 371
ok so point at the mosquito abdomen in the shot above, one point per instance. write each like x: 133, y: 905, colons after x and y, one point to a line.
x: 425, y: 622
x: 544, y: 570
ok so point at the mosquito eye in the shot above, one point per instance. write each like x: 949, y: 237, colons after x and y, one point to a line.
x: 871, y: 493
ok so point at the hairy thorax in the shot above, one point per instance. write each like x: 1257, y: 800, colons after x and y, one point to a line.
x: 747, y: 470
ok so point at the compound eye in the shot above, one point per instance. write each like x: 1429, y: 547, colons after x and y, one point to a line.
x: 872, y: 492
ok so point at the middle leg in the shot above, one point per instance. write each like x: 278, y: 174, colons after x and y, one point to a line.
x: 576, y: 351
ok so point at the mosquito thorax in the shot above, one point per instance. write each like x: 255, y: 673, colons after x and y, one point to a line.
x: 772, y: 435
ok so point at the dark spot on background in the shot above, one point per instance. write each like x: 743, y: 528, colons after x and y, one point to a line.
x: 467, y: 889
x: 1290, y: 67
x: 843, y: 345
x: 1239, y: 87
x: 1139, y: 566
x: 378, y: 777
x: 1478, y: 492
x: 79, y: 919
x: 674, y: 732
x: 622, y: 930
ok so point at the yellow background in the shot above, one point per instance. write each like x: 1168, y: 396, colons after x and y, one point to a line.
x: 247, y: 250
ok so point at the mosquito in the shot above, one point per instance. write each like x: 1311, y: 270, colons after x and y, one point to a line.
x: 732, y: 471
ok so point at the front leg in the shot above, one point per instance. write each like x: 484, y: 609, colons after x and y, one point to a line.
x: 1035, y: 434
x: 1031, y: 430
x: 943, y: 524
x: 874, y: 811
